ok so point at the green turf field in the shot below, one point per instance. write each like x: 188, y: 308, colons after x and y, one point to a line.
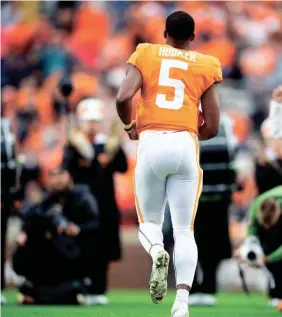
x: 131, y: 303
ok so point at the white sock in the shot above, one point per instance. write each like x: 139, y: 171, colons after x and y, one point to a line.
x: 155, y: 250
x: 185, y: 256
x: 151, y: 237
x: 182, y: 295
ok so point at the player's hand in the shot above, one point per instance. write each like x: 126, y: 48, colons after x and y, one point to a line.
x: 201, y: 120
x: 72, y: 230
x: 60, y: 230
x: 277, y: 94
x: 256, y: 265
x: 103, y: 159
x: 133, y: 135
x: 238, y: 256
x: 21, y: 239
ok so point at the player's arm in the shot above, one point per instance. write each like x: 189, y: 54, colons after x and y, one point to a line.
x: 275, y: 256
x: 129, y: 87
x: 211, y: 113
x: 253, y: 225
x: 275, y: 114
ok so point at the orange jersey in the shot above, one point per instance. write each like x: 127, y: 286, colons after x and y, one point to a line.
x: 173, y: 83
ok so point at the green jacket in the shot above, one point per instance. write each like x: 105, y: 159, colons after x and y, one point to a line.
x: 254, y: 228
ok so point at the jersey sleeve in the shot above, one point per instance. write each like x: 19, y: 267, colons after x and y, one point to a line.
x: 212, y: 71
x: 276, y: 255
x: 136, y: 58
x: 217, y: 72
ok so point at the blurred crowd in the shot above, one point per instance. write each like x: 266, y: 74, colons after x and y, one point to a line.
x: 89, y: 42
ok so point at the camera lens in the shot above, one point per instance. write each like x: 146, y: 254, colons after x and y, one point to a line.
x: 251, y: 256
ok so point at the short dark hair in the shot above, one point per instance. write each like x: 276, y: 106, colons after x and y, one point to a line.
x: 268, y: 211
x: 180, y: 25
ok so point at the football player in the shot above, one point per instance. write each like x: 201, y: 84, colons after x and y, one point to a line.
x: 174, y: 80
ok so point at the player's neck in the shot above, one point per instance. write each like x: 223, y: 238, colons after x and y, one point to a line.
x: 181, y: 45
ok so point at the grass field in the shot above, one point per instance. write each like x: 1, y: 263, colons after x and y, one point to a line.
x: 131, y: 303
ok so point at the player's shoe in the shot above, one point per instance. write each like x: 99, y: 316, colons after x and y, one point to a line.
x: 3, y: 300
x: 24, y: 299
x: 202, y: 300
x: 195, y: 299
x: 158, y: 281
x: 89, y: 300
x: 180, y: 309
x: 273, y: 302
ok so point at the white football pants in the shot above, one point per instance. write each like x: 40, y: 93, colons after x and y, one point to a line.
x: 168, y: 171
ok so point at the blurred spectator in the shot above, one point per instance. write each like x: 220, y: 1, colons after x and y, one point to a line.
x: 265, y: 224
x: 269, y: 155
x: 268, y: 170
x: 9, y: 186
x: 33, y: 194
x: 10, y: 13
x: 65, y: 15
x: 58, y: 236
x: 54, y: 57
x: 93, y: 159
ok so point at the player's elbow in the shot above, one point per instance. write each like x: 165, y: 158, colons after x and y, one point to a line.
x: 211, y: 130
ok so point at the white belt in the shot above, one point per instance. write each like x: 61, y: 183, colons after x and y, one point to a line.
x: 149, y: 133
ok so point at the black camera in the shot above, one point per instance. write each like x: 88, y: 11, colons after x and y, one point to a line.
x: 251, y: 251
x: 56, y: 218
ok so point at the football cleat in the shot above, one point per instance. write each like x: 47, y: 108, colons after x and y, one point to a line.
x: 89, y: 300
x: 158, y: 281
x: 180, y: 309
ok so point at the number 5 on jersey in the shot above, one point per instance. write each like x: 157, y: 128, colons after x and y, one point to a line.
x: 178, y: 85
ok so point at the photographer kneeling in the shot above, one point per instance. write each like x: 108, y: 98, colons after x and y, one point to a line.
x: 58, y: 237
x: 263, y: 246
